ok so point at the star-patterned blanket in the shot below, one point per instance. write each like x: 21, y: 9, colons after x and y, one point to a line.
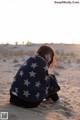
x: 32, y: 81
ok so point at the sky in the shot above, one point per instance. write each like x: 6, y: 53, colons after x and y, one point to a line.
x: 39, y: 21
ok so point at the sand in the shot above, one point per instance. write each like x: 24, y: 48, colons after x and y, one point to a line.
x: 67, y: 71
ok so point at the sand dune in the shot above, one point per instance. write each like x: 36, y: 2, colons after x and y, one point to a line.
x: 67, y: 70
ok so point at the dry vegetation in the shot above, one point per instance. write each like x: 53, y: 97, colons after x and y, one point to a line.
x: 67, y: 54
x: 10, y: 53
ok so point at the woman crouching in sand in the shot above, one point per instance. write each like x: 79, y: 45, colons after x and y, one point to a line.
x: 33, y: 83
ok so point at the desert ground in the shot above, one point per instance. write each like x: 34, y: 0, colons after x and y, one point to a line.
x: 67, y: 71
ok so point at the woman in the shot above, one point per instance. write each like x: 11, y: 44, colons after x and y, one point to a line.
x: 32, y: 82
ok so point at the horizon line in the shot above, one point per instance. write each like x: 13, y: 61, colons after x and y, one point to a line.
x: 16, y: 43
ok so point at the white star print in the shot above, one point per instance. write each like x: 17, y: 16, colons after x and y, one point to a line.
x: 37, y: 84
x: 14, y: 93
x: 25, y: 64
x: 14, y: 80
x: 46, y: 77
x: 46, y: 68
x: 37, y: 95
x: 21, y: 73
x: 16, y: 90
x: 26, y: 82
x: 34, y: 65
x: 33, y: 57
x: 32, y: 74
x: 26, y: 93
x: 46, y: 90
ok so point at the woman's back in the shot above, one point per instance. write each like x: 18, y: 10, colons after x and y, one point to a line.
x: 31, y: 81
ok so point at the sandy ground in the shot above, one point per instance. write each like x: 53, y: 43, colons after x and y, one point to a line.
x: 67, y: 71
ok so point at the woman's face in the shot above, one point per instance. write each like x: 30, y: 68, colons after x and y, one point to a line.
x: 48, y: 57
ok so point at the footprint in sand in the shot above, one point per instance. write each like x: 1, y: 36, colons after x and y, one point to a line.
x: 63, y: 108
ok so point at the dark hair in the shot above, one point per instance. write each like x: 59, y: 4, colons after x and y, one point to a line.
x: 43, y: 50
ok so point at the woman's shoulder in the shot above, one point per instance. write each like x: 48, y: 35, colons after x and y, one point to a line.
x: 40, y: 59
x: 37, y: 59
